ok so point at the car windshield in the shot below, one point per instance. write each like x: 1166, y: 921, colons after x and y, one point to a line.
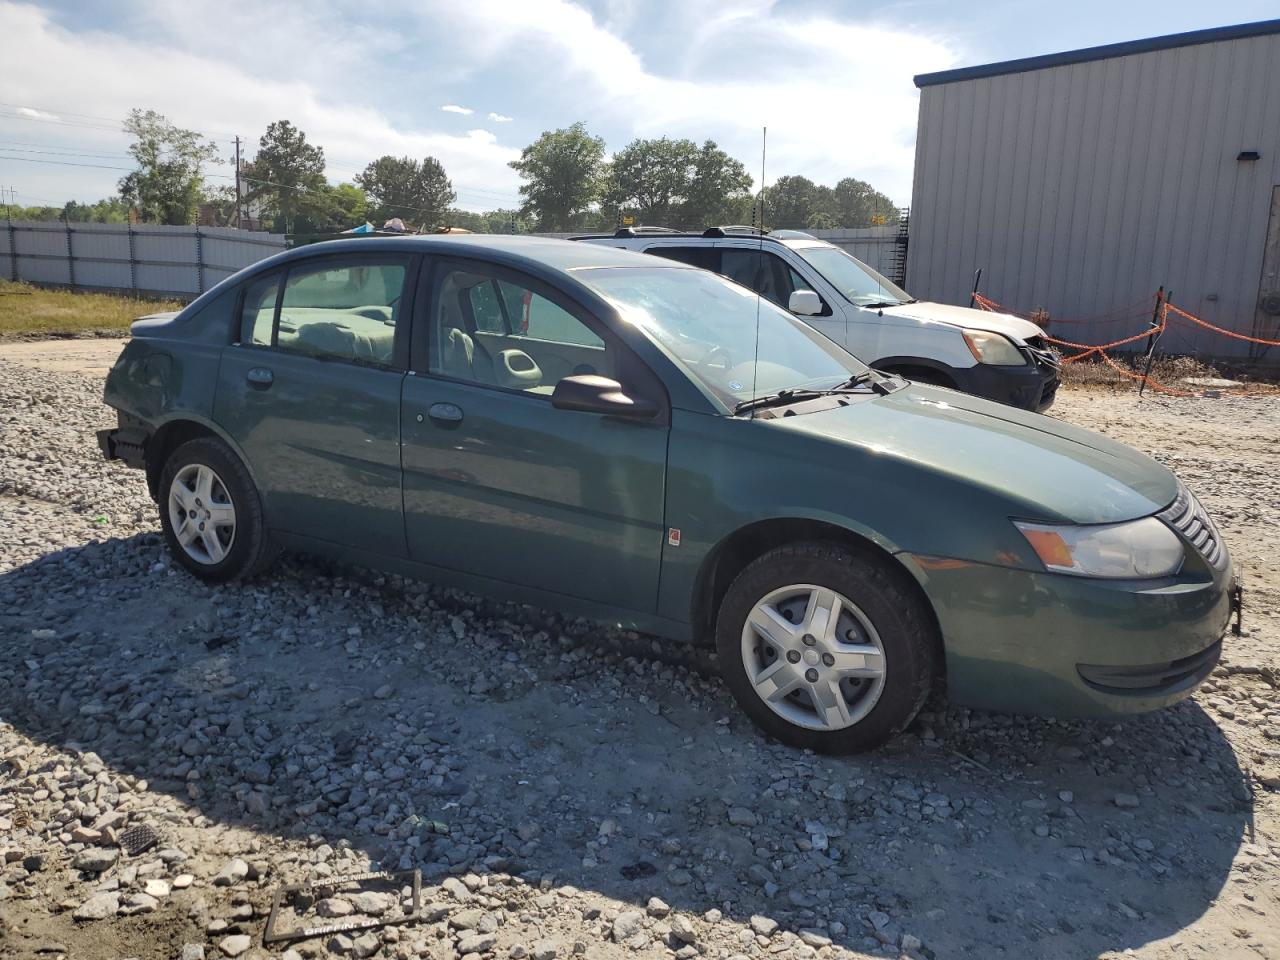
x: 708, y: 325
x: 853, y: 278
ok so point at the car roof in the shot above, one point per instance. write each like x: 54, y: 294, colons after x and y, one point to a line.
x: 790, y: 238
x: 528, y: 253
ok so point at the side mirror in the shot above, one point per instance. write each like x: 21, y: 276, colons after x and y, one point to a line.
x: 804, y: 303
x: 594, y: 394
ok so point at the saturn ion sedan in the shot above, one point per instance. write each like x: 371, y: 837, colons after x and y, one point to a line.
x: 652, y: 445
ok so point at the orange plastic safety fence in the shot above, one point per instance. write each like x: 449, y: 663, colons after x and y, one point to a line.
x: 1216, y: 329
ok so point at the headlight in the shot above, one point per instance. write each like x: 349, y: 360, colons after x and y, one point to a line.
x: 1123, y: 551
x: 992, y: 348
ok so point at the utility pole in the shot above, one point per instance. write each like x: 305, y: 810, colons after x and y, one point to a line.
x: 237, y: 183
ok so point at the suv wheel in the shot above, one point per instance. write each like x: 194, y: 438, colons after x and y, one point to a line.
x: 826, y: 648
x: 211, y: 513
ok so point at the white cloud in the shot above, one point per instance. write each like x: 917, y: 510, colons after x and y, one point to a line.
x: 218, y: 98
x: 500, y: 118
x: 38, y: 114
x: 454, y: 108
x: 838, y: 98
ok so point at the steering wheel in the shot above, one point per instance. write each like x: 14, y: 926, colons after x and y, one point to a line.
x: 717, y: 356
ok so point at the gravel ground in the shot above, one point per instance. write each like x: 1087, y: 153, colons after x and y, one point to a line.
x: 566, y: 790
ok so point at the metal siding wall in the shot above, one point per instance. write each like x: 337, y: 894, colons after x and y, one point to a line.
x: 1081, y: 188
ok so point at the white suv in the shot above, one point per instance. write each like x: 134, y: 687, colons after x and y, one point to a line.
x: 992, y: 355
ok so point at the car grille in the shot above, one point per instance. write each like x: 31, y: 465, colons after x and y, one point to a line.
x: 1045, y: 355
x: 1190, y: 519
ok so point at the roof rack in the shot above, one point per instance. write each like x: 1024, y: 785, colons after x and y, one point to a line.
x: 724, y: 231
x: 791, y: 235
x: 643, y: 231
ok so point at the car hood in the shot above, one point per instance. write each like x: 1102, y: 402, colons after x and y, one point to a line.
x: 1045, y: 469
x: 1003, y: 323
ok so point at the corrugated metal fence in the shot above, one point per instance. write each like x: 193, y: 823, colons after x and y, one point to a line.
x: 183, y: 262
x: 149, y: 260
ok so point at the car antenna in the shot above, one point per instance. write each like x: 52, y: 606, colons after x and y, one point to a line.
x: 755, y: 362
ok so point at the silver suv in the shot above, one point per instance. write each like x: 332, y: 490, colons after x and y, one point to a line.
x: 992, y: 355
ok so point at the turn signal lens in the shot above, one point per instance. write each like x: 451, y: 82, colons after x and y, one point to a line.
x: 1123, y: 551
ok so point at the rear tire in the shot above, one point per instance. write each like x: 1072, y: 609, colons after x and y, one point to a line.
x: 211, y: 513
x: 833, y: 687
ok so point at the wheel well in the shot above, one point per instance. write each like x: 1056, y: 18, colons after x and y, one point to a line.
x: 919, y: 371
x: 166, y: 440
x: 731, y: 556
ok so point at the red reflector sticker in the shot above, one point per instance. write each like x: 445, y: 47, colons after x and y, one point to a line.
x: 673, y: 536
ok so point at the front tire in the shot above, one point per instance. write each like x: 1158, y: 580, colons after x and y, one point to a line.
x: 211, y: 513
x: 826, y: 648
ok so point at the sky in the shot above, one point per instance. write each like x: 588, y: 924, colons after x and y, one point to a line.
x: 473, y: 82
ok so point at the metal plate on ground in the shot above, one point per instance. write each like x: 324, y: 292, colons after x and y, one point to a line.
x: 399, y: 902
x: 137, y: 839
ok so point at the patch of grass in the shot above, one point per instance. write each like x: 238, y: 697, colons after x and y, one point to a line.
x: 27, y: 311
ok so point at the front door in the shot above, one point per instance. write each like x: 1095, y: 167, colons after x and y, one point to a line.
x: 311, y: 393
x: 500, y: 484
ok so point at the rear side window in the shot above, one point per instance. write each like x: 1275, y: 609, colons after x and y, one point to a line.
x: 708, y: 258
x: 342, y: 310
x: 257, y: 312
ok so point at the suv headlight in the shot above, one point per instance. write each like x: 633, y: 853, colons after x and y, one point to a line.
x: 992, y: 348
x: 1133, y: 550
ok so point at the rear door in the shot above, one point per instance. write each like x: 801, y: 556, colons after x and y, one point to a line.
x: 500, y: 484
x: 311, y: 393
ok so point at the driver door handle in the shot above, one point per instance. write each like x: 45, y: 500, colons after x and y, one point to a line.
x: 445, y: 413
x: 260, y: 378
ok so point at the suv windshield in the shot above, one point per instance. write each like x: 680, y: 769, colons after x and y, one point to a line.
x: 858, y: 282
x: 708, y: 325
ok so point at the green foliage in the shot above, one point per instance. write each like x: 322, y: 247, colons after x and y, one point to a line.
x: 332, y: 209
x: 492, y: 221
x: 418, y: 192
x: 562, y: 173
x: 109, y: 210
x: 651, y: 178
x: 720, y: 190
x: 857, y: 204
x: 167, y: 186
x: 284, y: 174
x: 27, y: 310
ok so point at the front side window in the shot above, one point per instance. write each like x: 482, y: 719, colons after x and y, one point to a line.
x: 258, y: 310
x: 708, y: 257
x: 342, y: 310
x: 763, y: 272
x: 495, y: 331
x: 737, y: 344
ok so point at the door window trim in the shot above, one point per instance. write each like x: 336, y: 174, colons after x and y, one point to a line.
x: 627, y: 360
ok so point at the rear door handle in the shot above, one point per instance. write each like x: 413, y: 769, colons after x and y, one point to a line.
x: 260, y: 378
x: 445, y: 413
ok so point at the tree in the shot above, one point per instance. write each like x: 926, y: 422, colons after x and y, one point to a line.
x: 857, y: 203
x: 332, y: 209
x: 284, y: 171
x: 651, y: 178
x: 416, y: 192
x: 562, y: 170
x: 109, y: 210
x: 166, y: 187
x: 790, y: 202
x: 720, y: 191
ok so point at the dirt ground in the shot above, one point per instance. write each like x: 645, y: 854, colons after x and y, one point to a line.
x: 568, y: 790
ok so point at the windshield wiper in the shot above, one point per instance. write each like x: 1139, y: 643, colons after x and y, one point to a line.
x: 881, y: 304
x: 782, y: 396
x: 877, y: 381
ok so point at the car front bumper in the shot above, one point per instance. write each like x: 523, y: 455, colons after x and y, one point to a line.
x: 1031, y: 387
x: 1065, y: 646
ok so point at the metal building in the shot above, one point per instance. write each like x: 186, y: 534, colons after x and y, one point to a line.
x: 1080, y: 182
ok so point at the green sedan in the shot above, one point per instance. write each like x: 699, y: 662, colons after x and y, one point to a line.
x: 655, y: 447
